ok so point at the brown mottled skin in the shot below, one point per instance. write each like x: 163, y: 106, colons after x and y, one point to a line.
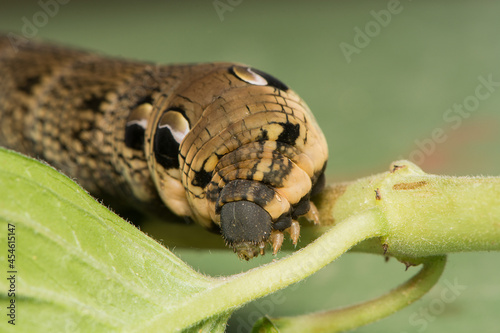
x: 205, y: 140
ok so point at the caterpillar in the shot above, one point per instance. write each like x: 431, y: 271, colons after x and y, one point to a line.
x: 223, y: 144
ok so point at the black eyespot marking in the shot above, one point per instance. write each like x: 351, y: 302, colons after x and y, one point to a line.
x: 29, y: 84
x: 245, y: 221
x: 256, y: 77
x: 137, y: 122
x: 283, y: 222
x: 171, y: 130
x: 290, y: 133
x: 166, y: 149
x: 134, y: 135
x: 245, y: 74
x: 271, y: 80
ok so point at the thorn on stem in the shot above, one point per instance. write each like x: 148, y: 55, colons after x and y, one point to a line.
x: 407, y: 264
x: 397, y: 167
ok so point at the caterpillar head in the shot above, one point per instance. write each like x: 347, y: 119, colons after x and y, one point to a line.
x: 236, y: 149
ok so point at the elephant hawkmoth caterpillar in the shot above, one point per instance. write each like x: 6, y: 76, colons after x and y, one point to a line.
x: 224, y: 144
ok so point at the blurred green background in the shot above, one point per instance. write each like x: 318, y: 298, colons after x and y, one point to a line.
x: 380, y: 103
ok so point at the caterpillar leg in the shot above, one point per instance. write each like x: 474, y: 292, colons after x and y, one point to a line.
x: 277, y: 237
x: 313, y: 214
x: 276, y: 240
x: 294, y: 231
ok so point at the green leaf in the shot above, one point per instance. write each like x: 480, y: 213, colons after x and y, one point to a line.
x: 79, y: 266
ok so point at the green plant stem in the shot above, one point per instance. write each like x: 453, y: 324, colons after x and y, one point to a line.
x: 364, y: 313
x: 232, y: 292
x: 425, y: 215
